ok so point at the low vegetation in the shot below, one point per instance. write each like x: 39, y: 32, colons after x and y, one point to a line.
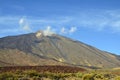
x: 56, y: 73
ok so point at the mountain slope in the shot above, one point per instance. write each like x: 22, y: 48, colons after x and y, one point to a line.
x: 40, y: 49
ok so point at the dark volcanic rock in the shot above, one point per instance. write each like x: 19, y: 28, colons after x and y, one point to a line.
x: 38, y: 49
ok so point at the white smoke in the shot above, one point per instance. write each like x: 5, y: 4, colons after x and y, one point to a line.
x: 48, y: 31
x: 24, y: 24
x: 63, y: 30
x: 72, y: 30
x: 68, y: 31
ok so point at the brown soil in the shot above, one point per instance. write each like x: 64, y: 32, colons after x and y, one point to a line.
x: 54, y: 69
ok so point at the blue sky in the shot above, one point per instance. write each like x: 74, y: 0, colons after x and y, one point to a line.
x: 94, y: 22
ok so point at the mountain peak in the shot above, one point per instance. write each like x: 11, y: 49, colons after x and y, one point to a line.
x: 44, y: 47
x: 39, y: 34
x: 46, y: 32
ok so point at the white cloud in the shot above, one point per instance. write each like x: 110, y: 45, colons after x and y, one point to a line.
x: 67, y: 31
x: 72, y: 29
x: 26, y: 28
x: 24, y: 24
x: 97, y: 20
x: 8, y: 20
x: 115, y: 26
x: 21, y: 21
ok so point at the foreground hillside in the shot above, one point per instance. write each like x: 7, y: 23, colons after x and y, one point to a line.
x: 36, y: 49
x: 56, y: 73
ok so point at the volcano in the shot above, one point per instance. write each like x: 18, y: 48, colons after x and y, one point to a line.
x: 35, y: 49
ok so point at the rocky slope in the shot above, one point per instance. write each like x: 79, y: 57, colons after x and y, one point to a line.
x: 39, y: 49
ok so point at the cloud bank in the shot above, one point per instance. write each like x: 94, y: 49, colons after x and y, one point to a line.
x: 104, y: 20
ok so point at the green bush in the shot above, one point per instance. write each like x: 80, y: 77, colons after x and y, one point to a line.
x: 54, y: 76
x: 99, y: 76
x: 88, y: 77
x: 31, y: 73
x: 7, y: 76
x: 117, y: 78
x: 79, y: 75
x: 35, y: 75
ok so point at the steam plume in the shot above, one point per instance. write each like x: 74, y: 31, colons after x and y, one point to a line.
x: 72, y: 30
x: 48, y: 31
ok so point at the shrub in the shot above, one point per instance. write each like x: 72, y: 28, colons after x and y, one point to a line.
x: 7, y: 76
x: 79, y: 75
x: 117, y: 78
x: 88, y: 77
x: 31, y: 73
x: 99, y: 76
